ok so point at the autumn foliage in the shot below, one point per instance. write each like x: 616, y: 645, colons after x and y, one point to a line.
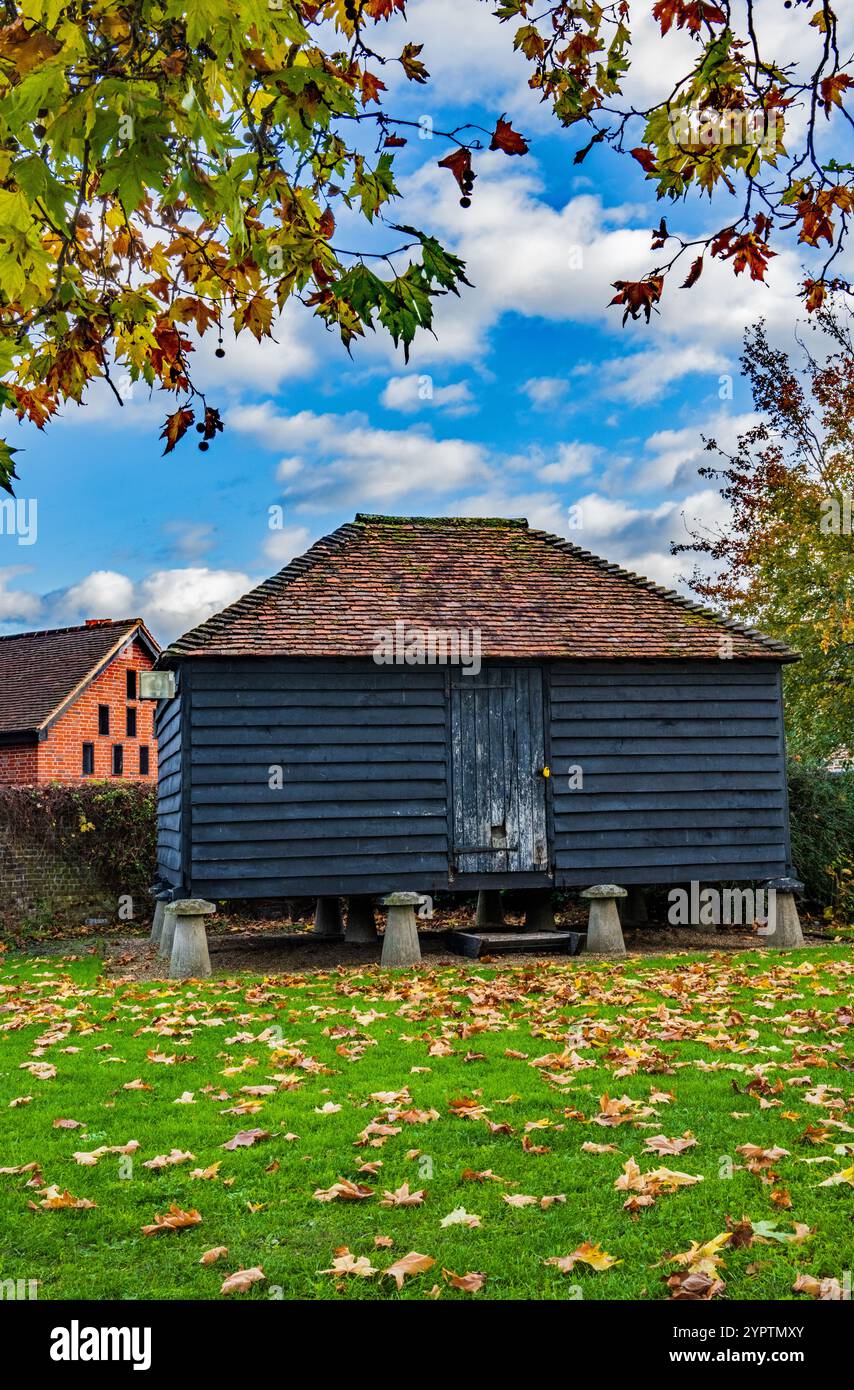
x: 785, y: 559
x: 170, y: 170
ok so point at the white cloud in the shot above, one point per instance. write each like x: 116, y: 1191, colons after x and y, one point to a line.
x: 282, y: 545
x: 645, y: 376
x: 573, y: 461
x: 544, y: 391
x: 673, y: 456
x: 363, y: 463
x: 288, y: 468
x: 170, y: 601
x: 16, y: 606
x: 190, y: 538
x: 102, y: 594
x: 412, y: 393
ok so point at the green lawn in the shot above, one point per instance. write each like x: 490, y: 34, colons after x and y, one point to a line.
x: 743, y: 1044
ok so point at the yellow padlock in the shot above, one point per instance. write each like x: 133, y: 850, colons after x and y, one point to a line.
x: 547, y: 772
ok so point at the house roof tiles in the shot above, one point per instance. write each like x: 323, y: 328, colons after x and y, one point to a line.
x: 531, y: 594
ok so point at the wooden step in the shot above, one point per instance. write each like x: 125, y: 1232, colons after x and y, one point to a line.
x: 497, y: 943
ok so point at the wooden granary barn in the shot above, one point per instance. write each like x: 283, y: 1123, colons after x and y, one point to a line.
x: 428, y: 704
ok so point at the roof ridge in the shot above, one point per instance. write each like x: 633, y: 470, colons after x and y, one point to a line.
x: 73, y: 627
x: 691, y: 605
x: 372, y: 518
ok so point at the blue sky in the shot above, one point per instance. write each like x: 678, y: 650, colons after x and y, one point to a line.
x: 532, y: 400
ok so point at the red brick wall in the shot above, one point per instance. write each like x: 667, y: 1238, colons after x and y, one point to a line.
x: 18, y: 765
x: 59, y: 758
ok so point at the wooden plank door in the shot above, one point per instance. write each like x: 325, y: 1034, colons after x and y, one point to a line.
x: 497, y: 786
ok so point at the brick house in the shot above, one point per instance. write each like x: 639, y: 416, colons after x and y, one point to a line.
x: 70, y: 707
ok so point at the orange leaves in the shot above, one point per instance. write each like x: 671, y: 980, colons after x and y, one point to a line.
x: 814, y: 211
x: 407, y: 1266
x: 466, y: 1283
x: 459, y: 164
x: 746, y: 250
x: 659, y: 1144
x: 402, y: 1197
x: 174, y: 429
x: 411, y: 63
x: 639, y: 296
x: 256, y: 314
x: 832, y: 90
x: 345, y: 1263
x: 212, y: 1256
x: 175, y: 1219
x: 245, y: 1138
x: 826, y: 1290
x: 242, y: 1280
x: 170, y: 1160
x: 687, y: 14
x: 646, y: 159
x: 693, y: 274
x: 507, y: 139
x: 343, y: 1191
x: 645, y: 1187
x: 587, y: 1253
x: 54, y: 1199
x: 26, y: 49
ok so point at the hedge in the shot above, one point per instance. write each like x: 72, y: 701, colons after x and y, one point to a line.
x: 107, y: 826
x: 821, y: 809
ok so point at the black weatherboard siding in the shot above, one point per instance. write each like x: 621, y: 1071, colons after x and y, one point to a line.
x: 362, y: 805
x: 683, y: 769
x: 387, y: 772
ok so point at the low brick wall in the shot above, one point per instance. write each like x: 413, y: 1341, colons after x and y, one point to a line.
x: 39, y: 888
x: 68, y: 854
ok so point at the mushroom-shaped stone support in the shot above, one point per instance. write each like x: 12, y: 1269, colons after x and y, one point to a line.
x: 190, y: 959
x: 400, y: 943
x: 604, y: 933
x: 327, y: 918
x: 783, y: 928
x: 160, y: 901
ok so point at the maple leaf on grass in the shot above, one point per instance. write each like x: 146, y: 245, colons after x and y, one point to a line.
x: 242, y: 1280
x: 245, y: 1138
x: 346, y: 1263
x: 175, y: 1219
x: 55, y: 1199
x: 466, y: 1283
x: 587, y: 1253
x: 826, y: 1290
x: 343, y: 1191
x: 460, y: 1217
x: 217, y: 1252
x: 402, y: 1197
x: 407, y: 1266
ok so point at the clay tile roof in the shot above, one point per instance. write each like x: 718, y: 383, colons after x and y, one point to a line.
x: 41, y: 671
x: 531, y: 594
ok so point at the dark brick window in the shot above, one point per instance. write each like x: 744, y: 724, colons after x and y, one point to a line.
x: 131, y: 721
x: 118, y: 760
x: 131, y: 684
x: 143, y: 760
x: 88, y: 759
x: 103, y: 719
